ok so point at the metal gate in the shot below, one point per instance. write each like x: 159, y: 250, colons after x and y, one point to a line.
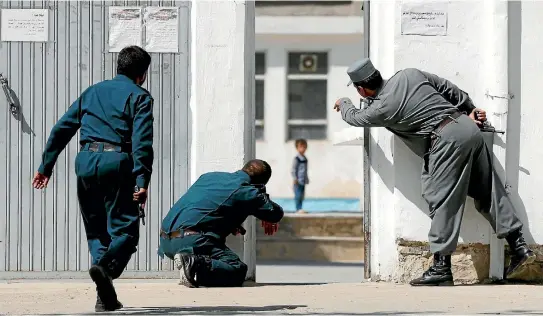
x: 41, y: 233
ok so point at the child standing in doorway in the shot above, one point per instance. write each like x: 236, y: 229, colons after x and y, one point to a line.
x: 299, y: 173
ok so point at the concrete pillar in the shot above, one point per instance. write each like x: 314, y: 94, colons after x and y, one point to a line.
x: 222, y: 96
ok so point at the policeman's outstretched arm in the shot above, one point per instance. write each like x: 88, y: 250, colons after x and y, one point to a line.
x: 142, y: 145
x: 60, y: 136
x: 451, y: 92
x: 367, y: 117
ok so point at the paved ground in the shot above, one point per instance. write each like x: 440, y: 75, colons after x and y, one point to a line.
x: 166, y: 298
x: 286, y: 289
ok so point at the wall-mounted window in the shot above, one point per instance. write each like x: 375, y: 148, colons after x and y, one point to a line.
x: 260, y: 71
x: 307, y: 82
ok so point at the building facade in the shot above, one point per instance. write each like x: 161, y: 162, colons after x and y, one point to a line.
x: 303, y: 49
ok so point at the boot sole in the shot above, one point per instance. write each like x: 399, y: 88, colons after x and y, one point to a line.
x: 445, y: 283
x: 527, y: 260
x: 180, y: 265
x: 102, y: 309
x: 106, y: 289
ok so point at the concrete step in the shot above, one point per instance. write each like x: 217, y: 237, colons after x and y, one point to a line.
x: 330, y: 237
x: 319, y: 225
x: 317, y: 249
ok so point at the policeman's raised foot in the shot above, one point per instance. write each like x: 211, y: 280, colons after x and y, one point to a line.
x: 104, y: 287
x: 187, y: 274
x: 101, y: 307
x: 520, y: 254
x: 438, y: 274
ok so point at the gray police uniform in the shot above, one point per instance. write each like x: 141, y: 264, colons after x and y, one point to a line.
x: 425, y: 111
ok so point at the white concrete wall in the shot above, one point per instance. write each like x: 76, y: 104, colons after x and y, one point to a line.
x: 222, y: 97
x: 333, y: 171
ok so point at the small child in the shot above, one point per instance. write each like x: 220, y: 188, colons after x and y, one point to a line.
x: 299, y: 173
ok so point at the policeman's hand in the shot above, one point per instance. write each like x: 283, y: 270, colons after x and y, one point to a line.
x: 270, y: 228
x: 239, y: 230
x: 140, y: 196
x: 40, y: 181
x: 478, y: 115
x: 337, y: 105
x: 295, y: 181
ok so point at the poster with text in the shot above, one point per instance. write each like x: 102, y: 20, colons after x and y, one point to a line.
x: 426, y: 19
x: 24, y: 25
x: 161, y: 29
x: 125, y: 25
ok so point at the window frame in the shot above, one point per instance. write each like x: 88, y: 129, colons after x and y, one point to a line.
x: 259, y: 123
x: 306, y: 77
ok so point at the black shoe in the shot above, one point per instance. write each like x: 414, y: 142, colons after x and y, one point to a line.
x: 101, y: 307
x: 520, y: 254
x: 104, y: 287
x: 189, y: 267
x: 438, y: 274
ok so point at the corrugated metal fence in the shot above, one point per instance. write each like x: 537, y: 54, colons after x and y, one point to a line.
x: 43, y: 231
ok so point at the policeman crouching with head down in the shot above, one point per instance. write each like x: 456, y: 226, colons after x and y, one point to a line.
x: 439, y: 123
x: 194, y: 231
x: 116, y: 122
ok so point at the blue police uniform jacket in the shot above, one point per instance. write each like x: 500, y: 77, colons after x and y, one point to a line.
x: 118, y: 112
x: 219, y: 202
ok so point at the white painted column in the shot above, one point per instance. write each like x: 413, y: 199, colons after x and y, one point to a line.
x: 496, y: 82
x: 275, y: 97
x: 222, y: 96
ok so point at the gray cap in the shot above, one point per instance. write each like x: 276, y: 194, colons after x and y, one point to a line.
x: 360, y: 70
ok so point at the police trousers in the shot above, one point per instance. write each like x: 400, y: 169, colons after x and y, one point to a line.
x: 226, y: 270
x: 104, y: 189
x: 459, y: 164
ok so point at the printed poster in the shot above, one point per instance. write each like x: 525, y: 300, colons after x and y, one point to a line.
x: 427, y: 19
x: 125, y: 28
x: 24, y: 25
x: 162, y: 29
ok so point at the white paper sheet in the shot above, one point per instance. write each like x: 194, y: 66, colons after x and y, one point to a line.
x: 125, y: 27
x: 25, y: 25
x: 429, y: 18
x: 162, y: 29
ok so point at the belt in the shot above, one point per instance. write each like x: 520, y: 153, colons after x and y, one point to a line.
x: 103, y: 147
x: 450, y: 118
x: 178, y: 233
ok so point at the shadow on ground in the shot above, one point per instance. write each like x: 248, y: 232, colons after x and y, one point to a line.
x: 237, y: 310
x: 274, y: 310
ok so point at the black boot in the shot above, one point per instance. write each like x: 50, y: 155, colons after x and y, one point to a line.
x: 189, y: 266
x: 520, y: 254
x: 101, y: 307
x: 104, y: 287
x: 438, y: 274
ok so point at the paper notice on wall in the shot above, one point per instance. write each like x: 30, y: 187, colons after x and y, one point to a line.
x: 162, y: 29
x: 25, y: 25
x: 428, y: 18
x: 125, y: 25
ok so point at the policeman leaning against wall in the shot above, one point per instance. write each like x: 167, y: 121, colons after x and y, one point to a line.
x: 439, y: 122
x: 116, y: 122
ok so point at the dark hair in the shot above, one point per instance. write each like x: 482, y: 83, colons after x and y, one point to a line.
x: 373, y: 82
x: 300, y: 141
x: 133, y: 62
x: 259, y: 171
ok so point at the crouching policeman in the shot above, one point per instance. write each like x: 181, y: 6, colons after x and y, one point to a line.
x: 194, y: 231
x: 116, y: 122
